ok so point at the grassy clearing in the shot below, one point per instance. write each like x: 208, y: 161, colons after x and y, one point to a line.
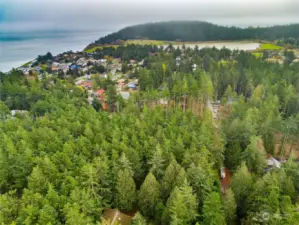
x: 44, y: 67
x: 258, y: 54
x: 145, y: 42
x: 270, y: 46
x: 90, y: 50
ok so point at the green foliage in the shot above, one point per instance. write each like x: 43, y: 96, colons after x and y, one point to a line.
x: 125, y: 190
x: 66, y: 161
x: 270, y: 46
x: 198, y: 31
x: 229, y: 206
x: 4, y: 111
x: 255, y: 156
x: 138, y: 220
x: 182, y: 205
x: 241, y: 185
x: 149, y: 195
x: 213, y: 211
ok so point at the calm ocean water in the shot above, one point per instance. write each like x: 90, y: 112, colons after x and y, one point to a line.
x: 19, y: 48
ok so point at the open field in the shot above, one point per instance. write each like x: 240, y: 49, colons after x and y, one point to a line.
x: 90, y: 50
x: 269, y: 46
x: 242, y: 45
x: 44, y: 66
x: 146, y: 42
x: 257, y: 54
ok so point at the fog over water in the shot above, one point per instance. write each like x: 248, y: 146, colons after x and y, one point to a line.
x: 17, y: 52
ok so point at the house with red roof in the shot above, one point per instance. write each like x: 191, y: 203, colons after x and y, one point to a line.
x: 86, y: 84
x: 101, y: 95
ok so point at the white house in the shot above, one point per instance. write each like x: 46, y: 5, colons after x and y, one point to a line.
x: 272, y: 162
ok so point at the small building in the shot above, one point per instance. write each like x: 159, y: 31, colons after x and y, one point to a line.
x: 163, y: 101
x: 178, y: 61
x: 56, y: 64
x: 86, y: 84
x: 222, y: 172
x: 64, y: 67
x: 125, y: 95
x: 101, y: 95
x: 225, y: 179
x: 103, y: 75
x: 132, y: 85
x: 115, y: 217
x: 194, y: 66
x: 295, y: 61
x: 100, y: 92
x: 273, y: 163
x: 74, y: 67
x: 103, y: 61
x: 87, y: 76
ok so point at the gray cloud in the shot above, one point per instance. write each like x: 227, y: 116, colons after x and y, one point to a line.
x: 100, y: 14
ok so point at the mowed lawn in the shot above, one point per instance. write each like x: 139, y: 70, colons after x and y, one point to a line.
x: 130, y: 42
x: 145, y: 42
x: 257, y: 54
x: 270, y: 46
x: 90, y: 50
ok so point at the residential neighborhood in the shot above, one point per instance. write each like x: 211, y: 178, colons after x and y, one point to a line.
x: 87, y: 72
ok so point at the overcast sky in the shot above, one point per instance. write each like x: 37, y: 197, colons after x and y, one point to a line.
x: 115, y: 14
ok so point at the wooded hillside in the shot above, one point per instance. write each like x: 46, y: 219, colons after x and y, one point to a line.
x: 198, y: 31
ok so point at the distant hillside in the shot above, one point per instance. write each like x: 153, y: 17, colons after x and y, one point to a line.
x: 198, y: 31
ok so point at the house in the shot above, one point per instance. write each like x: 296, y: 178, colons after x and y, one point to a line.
x: 295, y: 61
x: 274, y: 60
x: 163, y: 101
x: 86, y: 84
x: 87, y: 76
x: 100, y: 92
x: 131, y: 85
x: 103, y: 61
x: 101, y: 95
x: 222, y: 172
x: 178, y: 61
x: 64, y: 67
x: 125, y: 95
x: 103, y: 75
x: 194, y: 66
x: 74, y: 67
x: 120, y: 85
x: 225, y: 179
x: 141, y: 63
x: 55, y: 66
x: 273, y: 163
x: 115, y: 217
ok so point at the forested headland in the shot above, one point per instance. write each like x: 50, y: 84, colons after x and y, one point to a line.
x: 157, y: 155
x: 198, y: 31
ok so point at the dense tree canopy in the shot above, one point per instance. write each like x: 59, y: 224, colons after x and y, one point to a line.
x: 200, y: 31
x: 65, y: 161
